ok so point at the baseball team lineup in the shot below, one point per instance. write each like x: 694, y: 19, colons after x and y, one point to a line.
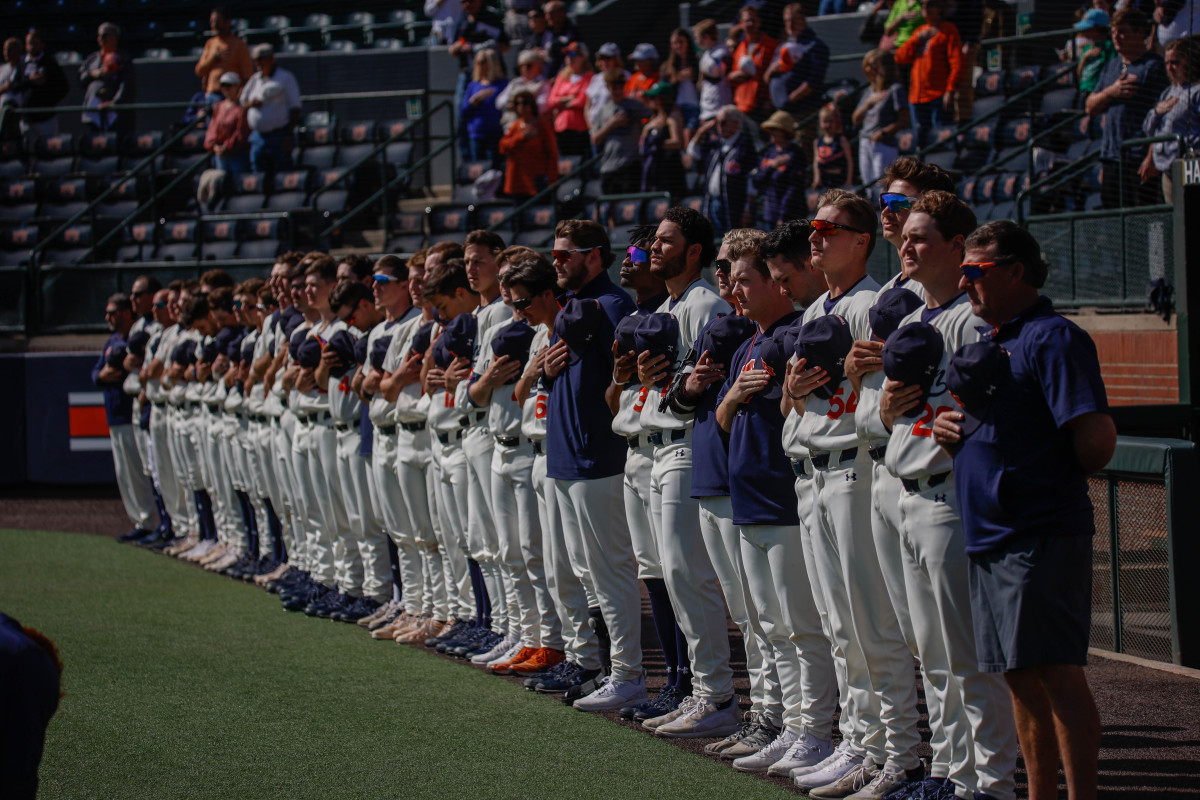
x: 492, y: 451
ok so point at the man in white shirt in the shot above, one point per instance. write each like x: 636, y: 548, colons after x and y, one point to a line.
x: 272, y: 101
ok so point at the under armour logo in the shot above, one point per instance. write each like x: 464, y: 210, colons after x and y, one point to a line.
x: 939, y: 498
x: 851, y: 476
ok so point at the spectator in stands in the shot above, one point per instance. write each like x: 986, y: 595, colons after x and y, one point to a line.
x: 478, y: 29
x: 681, y: 71
x: 935, y: 53
x: 750, y: 60
x: 646, y: 71
x: 536, y: 35
x: 716, y: 61
x: 10, y: 72
x: 224, y: 52
x: 1128, y: 88
x: 45, y: 86
x: 568, y: 99
x: 228, y: 134
x: 478, y: 112
x: 726, y: 155
x: 1177, y: 112
x: 446, y: 14
x: 662, y: 143
x: 107, y: 79
x: 272, y: 101
x: 608, y: 57
x: 836, y: 7
x: 516, y: 18
x: 796, y: 75
x: 832, y: 166
x: 531, y: 66
x: 779, y: 177
x: 528, y: 145
x: 881, y: 114
x: 1097, y: 49
x: 617, y: 136
x: 562, y: 32
x: 1175, y: 19
x: 902, y: 22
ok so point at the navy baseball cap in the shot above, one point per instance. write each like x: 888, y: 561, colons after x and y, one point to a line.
x: 184, y: 353
x: 513, y: 340
x: 223, y: 339
x: 308, y: 354
x: 825, y: 342
x: 723, y: 336
x: 973, y: 375
x: 787, y: 336
x: 208, y: 352
x: 293, y: 322
x: 137, y: 343
x: 247, y: 349
x: 460, y: 335
x: 581, y: 322
x: 912, y: 355
x: 658, y: 333
x: 116, y: 356
x: 342, y: 343
x: 378, y: 351
x: 441, y: 355
x: 890, y: 307
x: 233, y: 349
x: 420, y: 341
x: 623, y: 335
x: 774, y: 357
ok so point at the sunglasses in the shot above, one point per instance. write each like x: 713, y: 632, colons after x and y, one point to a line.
x: 161, y: 304
x: 828, y: 228
x: 521, y: 303
x: 890, y: 201
x: 723, y: 265
x: 237, y: 305
x: 139, y: 294
x: 637, y: 255
x: 563, y: 255
x: 264, y: 307
x: 385, y: 279
x: 973, y: 270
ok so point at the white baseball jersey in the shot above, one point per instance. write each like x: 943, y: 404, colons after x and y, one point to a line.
x: 412, y: 405
x: 533, y: 413
x: 866, y: 416
x: 344, y: 404
x: 503, y: 411
x: 380, y: 410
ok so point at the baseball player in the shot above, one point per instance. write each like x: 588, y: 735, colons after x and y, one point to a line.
x: 109, y: 375
x: 682, y: 247
x: 532, y: 287
x: 150, y: 391
x: 930, y: 530
x: 586, y: 459
x: 1046, y: 428
x: 881, y: 702
x: 627, y: 398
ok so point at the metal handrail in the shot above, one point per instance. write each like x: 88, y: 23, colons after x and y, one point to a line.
x: 551, y: 189
x: 1019, y: 39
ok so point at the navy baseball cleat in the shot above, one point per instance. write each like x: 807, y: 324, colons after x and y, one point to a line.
x: 136, y: 533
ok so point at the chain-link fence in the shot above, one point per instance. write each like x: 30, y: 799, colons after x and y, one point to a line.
x: 1145, y: 517
x: 1105, y: 258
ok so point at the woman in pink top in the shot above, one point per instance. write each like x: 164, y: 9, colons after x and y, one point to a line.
x: 228, y: 136
x: 568, y: 96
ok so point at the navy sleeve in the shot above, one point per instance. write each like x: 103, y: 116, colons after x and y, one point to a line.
x: 1069, y: 369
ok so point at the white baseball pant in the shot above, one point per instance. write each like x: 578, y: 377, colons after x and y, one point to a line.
x: 137, y: 493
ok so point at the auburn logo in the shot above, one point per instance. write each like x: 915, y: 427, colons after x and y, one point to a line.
x: 542, y: 217
x: 221, y: 230
x: 321, y: 135
x: 358, y: 133
x: 100, y: 142
x: 66, y: 189
x: 291, y: 180
x: 263, y: 229
x: 145, y: 142
x: 16, y: 190
x: 179, y: 231
x: 72, y: 235
x: 20, y: 236
x: 140, y: 233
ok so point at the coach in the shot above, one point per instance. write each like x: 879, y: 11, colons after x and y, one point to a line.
x: 1021, y: 483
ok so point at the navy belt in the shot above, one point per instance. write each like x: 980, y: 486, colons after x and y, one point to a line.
x: 821, y: 460
x: 446, y: 437
x: 914, y: 485
x: 412, y: 427
x: 635, y: 442
x: 537, y: 447
x: 660, y: 438
x: 388, y: 430
x: 342, y: 427
x: 877, y: 452
x: 798, y: 468
x: 508, y: 441
x: 320, y: 416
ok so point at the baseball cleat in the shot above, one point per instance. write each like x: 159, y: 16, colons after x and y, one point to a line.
x: 806, y: 752
x: 703, y: 719
x: 613, y: 695
x: 766, y: 756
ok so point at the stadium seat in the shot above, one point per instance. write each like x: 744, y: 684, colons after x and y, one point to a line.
x: 262, y: 238
x: 290, y: 190
x: 247, y: 193
x: 977, y: 147
x: 986, y: 105
x: 448, y: 222
x: 1019, y: 79
x: 387, y: 44
x: 137, y: 242
x: 318, y: 145
x: 12, y: 162
x: 16, y: 244
x: 341, y: 46
x: 99, y: 153
x: 356, y: 28
x: 313, y: 32
x: 268, y: 31
x: 220, y: 240
x: 490, y: 215
x: 297, y: 48
x: 407, y: 232
x: 535, y: 225
x: 989, y: 84
x: 1057, y: 101
x: 18, y: 199
x: 140, y: 145
x: 468, y: 173
x: 1004, y: 195
x: 54, y: 155
x: 1011, y: 139
x: 966, y: 189
x: 68, y: 58
x: 356, y: 140
x: 70, y: 247
x: 157, y: 54
x: 622, y: 214
x: 124, y: 200
x: 906, y: 141
x: 654, y: 209
x: 332, y: 202
x: 188, y: 152
x: 64, y: 198
x: 694, y: 202
x: 178, y: 241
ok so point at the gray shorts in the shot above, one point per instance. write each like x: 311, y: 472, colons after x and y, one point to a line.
x: 1031, y: 601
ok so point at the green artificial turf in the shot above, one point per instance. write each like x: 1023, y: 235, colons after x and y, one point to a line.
x: 183, y: 684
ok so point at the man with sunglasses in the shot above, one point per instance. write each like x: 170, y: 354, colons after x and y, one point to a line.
x: 141, y: 297
x: 150, y: 375
x: 587, y: 460
x: 682, y: 248
x: 881, y: 697
x: 1030, y: 562
x: 973, y: 740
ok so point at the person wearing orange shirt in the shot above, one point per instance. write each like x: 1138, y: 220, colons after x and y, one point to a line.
x: 935, y: 53
x: 223, y: 52
x: 645, y: 61
x: 750, y: 61
x: 530, y: 148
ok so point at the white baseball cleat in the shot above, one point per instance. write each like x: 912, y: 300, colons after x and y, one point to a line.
x: 806, y: 751
x: 831, y: 772
x: 614, y: 694
x: 767, y: 756
x: 703, y: 719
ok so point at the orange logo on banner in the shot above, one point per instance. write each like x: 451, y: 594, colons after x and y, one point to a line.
x: 16, y: 190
